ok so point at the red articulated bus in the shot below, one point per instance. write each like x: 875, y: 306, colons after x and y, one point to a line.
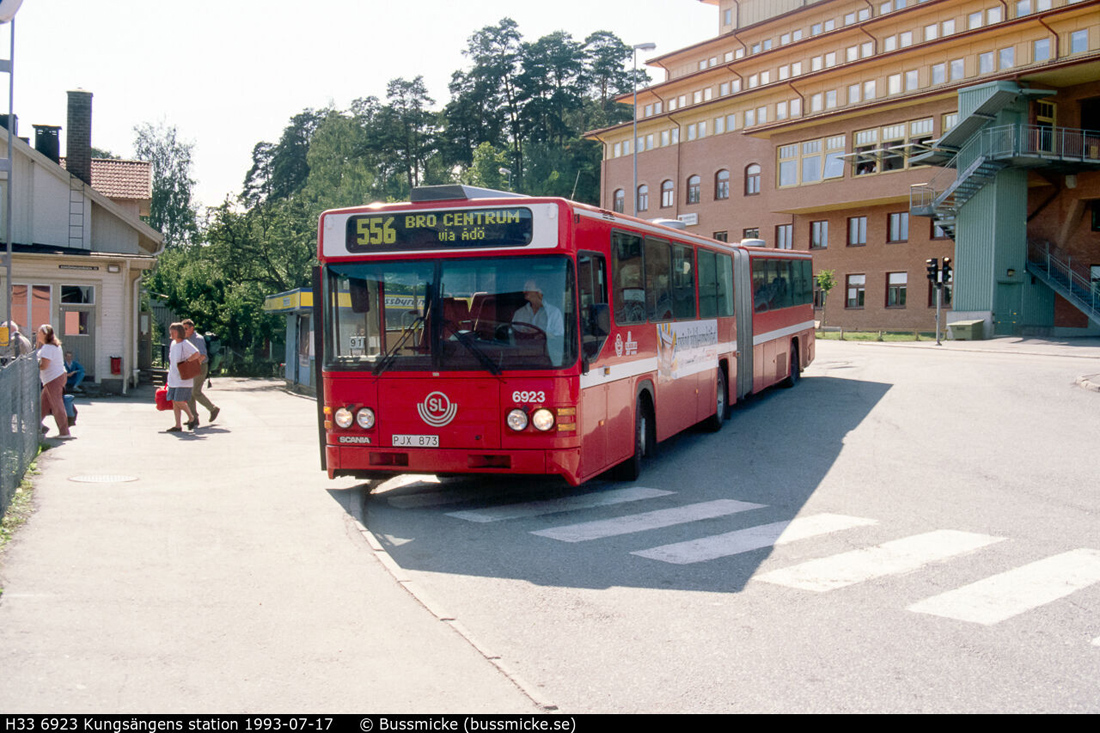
x: 473, y: 331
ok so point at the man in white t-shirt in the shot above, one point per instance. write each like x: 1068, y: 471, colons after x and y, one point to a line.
x: 545, y: 317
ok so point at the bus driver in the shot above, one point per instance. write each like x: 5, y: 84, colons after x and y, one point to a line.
x: 545, y: 317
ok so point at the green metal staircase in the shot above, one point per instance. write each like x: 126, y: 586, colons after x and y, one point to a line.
x: 1060, y: 273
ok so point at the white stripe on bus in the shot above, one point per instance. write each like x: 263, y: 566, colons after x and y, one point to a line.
x: 781, y: 333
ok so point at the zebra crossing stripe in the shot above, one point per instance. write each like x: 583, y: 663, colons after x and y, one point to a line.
x: 889, y: 558
x: 1011, y: 593
x: 553, y: 506
x: 752, y: 538
x: 646, y: 521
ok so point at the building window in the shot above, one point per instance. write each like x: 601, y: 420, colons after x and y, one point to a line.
x: 784, y: 236
x: 693, y: 189
x: 752, y: 179
x: 899, y: 228
x: 857, y: 285
x: 912, y: 81
x: 751, y: 233
x: 895, y: 289
x: 857, y: 231
x: 619, y: 201
x: 811, y: 161
x: 985, y: 63
x: 668, y: 194
x: 643, y: 197
x: 958, y: 69
x: 722, y: 236
x: 819, y: 234
x: 722, y: 185
x: 1008, y: 57
x: 1079, y: 41
x: 937, y: 231
x: 974, y: 21
x: 1040, y: 50
x: 939, y: 73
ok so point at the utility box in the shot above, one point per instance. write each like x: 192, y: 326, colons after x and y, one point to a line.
x: 966, y: 330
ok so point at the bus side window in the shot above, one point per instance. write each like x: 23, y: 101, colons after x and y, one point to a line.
x: 628, y: 285
x: 683, y: 281
x: 708, y: 284
x: 725, y: 285
x: 592, y: 280
x: 658, y: 273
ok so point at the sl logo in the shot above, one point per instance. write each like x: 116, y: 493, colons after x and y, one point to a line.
x: 437, y: 409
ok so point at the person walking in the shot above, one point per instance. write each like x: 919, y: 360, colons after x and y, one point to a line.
x: 51, y: 370
x: 179, y: 389
x: 196, y: 340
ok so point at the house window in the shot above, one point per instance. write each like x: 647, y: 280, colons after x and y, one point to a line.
x: 958, y: 69
x: 937, y: 231
x: 784, y: 236
x: 668, y: 194
x: 722, y: 236
x: 752, y: 179
x: 857, y: 285
x: 1008, y: 57
x: 899, y: 227
x: 857, y: 231
x: 895, y: 289
x: 643, y: 197
x: 1079, y: 41
x: 1041, y: 50
x: 985, y: 63
x: 722, y: 185
x: 619, y: 201
x: 939, y: 73
x: 819, y: 234
x: 751, y: 233
x: 693, y: 189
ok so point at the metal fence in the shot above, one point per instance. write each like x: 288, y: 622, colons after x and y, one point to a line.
x: 20, y: 422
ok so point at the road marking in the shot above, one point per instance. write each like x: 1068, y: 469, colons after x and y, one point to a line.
x: 753, y: 538
x: 646, y: 521
x: 554, y: 506
x: 889, y: 558
x: 1011, y: 593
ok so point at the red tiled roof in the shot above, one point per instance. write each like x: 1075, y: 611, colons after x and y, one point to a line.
x: 122, y: 179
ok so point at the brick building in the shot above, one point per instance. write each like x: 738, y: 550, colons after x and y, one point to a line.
x: 810, y: 124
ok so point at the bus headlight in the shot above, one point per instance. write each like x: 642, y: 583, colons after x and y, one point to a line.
x: 517, y: 420
x: 543, y: 419
x: 343, y: 417
x: 365, y: 418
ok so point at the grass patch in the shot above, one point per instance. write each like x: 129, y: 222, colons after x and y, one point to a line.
x: 876, y: 335
x: 20, y: 509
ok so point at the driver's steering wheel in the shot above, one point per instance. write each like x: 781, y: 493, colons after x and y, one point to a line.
x: 511, y: 332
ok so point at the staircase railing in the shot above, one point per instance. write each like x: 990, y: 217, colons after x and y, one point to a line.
x: 1072, y: 280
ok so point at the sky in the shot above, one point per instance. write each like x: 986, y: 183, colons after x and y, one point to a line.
x: 230, y: 73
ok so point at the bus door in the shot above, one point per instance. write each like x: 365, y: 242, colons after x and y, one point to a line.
x: 595, y: 322
x: 742, y: 293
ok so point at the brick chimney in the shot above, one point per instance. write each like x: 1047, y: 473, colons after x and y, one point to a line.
x: 78, y: 153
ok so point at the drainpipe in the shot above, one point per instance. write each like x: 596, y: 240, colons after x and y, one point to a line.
x: 1057, y: 43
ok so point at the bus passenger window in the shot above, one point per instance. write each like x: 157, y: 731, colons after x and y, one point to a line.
x: 628, y: 285
x: 725, y: 285
x: 708, y: 285
x: 658, y: 272
x: 683, y: 281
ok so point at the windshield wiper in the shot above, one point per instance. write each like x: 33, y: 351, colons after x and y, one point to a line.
x: 466, y: 338
x: 391, y: 354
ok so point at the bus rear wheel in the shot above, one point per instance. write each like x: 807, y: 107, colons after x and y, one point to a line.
x: 795, y: 372
x: 631, y: 468
x: 715, y: 421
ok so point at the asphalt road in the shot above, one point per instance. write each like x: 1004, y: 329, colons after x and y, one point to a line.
x: 909, y: 530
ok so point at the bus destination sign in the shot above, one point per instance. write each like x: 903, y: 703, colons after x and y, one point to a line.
x: 400, y: 231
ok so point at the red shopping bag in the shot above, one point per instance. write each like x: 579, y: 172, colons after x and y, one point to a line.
x: 162, y: 399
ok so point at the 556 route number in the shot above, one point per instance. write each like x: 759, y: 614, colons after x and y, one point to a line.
x: 375, y: 230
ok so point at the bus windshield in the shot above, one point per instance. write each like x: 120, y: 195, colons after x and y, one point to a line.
x: 484, y: 314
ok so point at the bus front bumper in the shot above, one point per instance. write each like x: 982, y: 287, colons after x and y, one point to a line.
x: 363, y: 462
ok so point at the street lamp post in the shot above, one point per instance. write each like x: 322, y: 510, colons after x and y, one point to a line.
x: 634, y: 138
x: 507, y: 172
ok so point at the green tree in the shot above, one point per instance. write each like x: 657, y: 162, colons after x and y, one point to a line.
x: 171, y: 212
x: 826, y: 281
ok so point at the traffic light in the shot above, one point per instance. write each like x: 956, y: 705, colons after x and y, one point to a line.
x: 946, y: 270
x: 933, y: 266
